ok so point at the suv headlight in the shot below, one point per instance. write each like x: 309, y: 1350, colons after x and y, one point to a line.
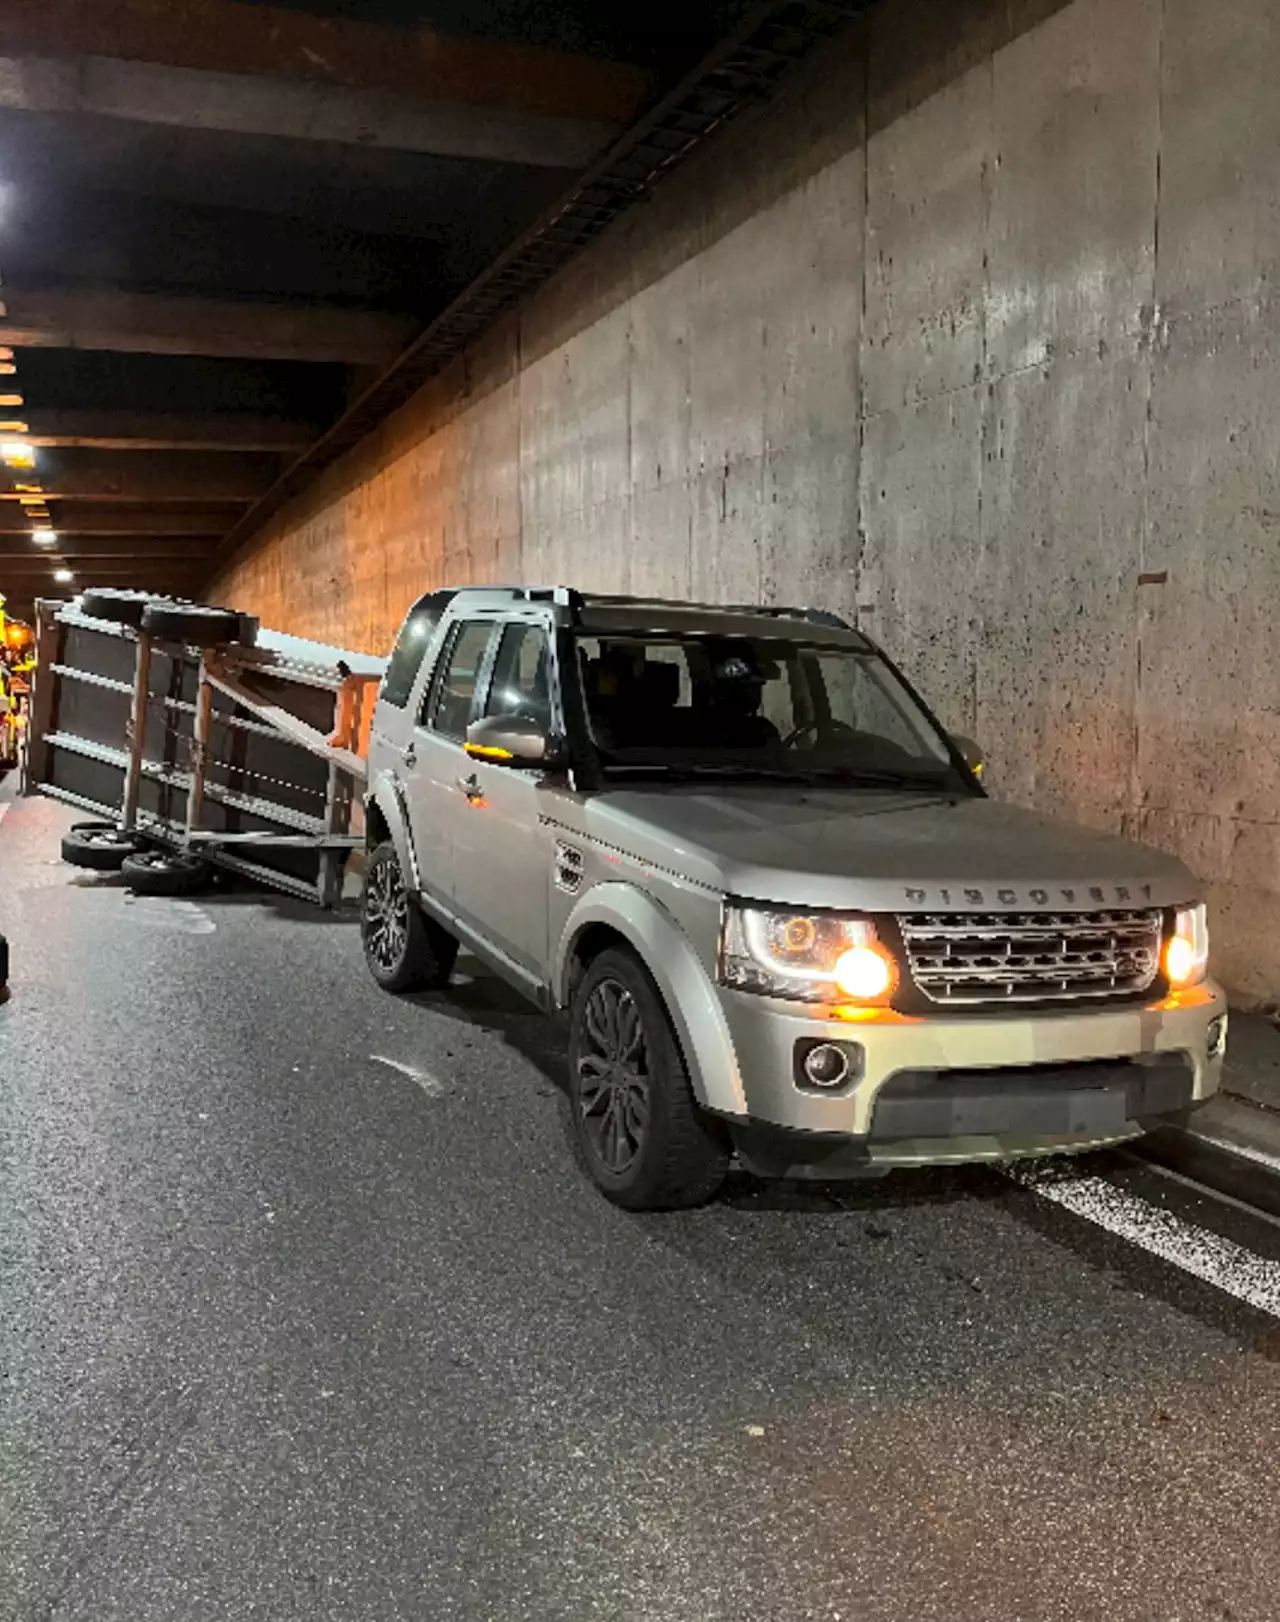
x: 808, y: 956
x: 1186, y: 952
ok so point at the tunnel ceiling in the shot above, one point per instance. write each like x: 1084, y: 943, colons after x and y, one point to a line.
x: 233, y: 236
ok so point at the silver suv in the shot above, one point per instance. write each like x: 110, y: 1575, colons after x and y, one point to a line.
x: 783, y: 917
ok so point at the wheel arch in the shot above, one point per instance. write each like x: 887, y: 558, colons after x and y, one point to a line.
x: 621, y: 915
x: 386, y: 817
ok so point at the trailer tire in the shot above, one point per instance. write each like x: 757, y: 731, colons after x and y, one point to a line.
x: 99, y: 846
x: 4, y: 967
x: 193, y: 624
x: 164, y: 872
x: 116, y: 607
x: 404, y: 949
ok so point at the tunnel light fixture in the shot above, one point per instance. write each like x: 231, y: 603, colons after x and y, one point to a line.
x: 8, y: 369
x: 17, y: 453
x: 44, y: 536
x: 64, y: 577
x: 11, y: 400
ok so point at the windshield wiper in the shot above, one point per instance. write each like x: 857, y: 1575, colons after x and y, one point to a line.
x: 880, y: 778
x: 686, y: 771
x: 690, y: 771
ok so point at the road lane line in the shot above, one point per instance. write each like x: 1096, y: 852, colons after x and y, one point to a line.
x: 1227, y: 1266
x: 1246, y: 1151
x: 421, y: 1078
x: 165, y: 912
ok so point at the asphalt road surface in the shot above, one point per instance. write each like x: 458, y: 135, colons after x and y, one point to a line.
x: 305, y: 1312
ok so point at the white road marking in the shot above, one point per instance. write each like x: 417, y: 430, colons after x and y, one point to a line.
x: 4, y: 810
x: 1246, y: 1151
x: 1227, y: 1266
x: 166, y: 912
x: 420, y: 1078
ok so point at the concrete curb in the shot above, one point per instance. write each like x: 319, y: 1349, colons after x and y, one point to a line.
x: 1228, y: 1145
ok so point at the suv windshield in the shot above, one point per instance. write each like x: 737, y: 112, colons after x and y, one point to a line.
x: 755, y: 706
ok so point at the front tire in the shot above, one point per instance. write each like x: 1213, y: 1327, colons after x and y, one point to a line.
x: 405, y: 950
x: 637, y: 1127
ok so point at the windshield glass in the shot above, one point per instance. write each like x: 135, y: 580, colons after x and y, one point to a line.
x: 755, y: 706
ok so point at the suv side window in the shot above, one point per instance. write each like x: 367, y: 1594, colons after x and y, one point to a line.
x: 411, y: 644
x: 521, y: 683
x: 451, y: 701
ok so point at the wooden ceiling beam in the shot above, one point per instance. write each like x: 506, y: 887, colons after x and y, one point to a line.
x: 256, y: 69
x: 230, y: 36
x: 160, y: 324
x: 143, y: 431
x: 19, y: 550
x: 121, y: 519
x: 202, y: 477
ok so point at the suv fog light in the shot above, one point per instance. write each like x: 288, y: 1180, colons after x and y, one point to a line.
x: 826, y: 1065
x: 1216, y: 1037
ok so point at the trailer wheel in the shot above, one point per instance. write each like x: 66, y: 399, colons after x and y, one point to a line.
x: 100, y: 846
x: 193, y: 624
x: 405, y: 950
x: 117, y: 607
x: 4, y: 966
x: 164, y: 872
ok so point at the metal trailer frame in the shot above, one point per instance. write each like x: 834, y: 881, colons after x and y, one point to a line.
x: 227, y: 683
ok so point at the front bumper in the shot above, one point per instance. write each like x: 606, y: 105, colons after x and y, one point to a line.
x: 938, y: 1090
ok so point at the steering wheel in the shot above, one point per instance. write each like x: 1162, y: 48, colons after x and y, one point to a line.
x: 818, y: 728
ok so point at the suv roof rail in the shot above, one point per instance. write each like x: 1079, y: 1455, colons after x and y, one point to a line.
x: 815, y: 616
x: 569, y: 597
x: 563, y: 595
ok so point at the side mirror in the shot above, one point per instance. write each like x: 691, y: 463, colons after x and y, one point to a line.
x: 509, y: 740
x: 971, y: 754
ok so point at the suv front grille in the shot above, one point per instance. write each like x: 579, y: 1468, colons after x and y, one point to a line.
x: 980, y: 957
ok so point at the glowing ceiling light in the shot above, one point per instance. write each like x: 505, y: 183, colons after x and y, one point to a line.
x: 45, y: 537
x: 64, y: 577
x: 11, y: 400
x: 17, y: 453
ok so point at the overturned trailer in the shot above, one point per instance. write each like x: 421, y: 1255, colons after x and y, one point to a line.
x: 195, y: 732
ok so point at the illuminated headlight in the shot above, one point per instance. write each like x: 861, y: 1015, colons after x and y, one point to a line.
x: 808, y: 956
x: 1186, y: 952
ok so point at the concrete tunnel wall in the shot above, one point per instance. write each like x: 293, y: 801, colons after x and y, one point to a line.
x: 972, y: 336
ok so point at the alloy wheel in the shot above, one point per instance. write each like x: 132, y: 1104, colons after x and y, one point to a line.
x: 385, y: 914
x: 613, y: 1076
